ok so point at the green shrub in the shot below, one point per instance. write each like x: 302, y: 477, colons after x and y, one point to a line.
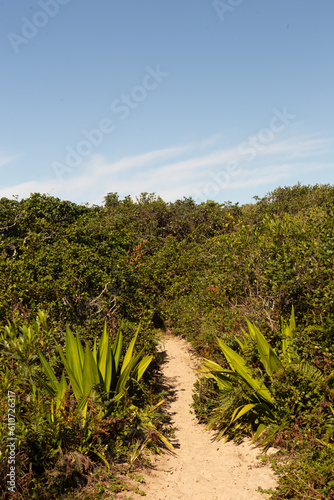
x: 283, y: 391
x: 56, y: 448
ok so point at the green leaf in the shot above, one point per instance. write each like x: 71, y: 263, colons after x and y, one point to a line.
x: 90, y: 374
x: 267, y: 355
x: 129, y: 352
x: 241, y: 410
x: 125, y: 375
x: 62, y: 388
x: 82, y: 406
x: 222, y: 377
x: 74, y: 355
x: 95, y: 351
x: 103, y: 458
x: 212, y: 366
x: 49, y: 389
x: 106, y: 363
x: 259, y: 430
x: 238, y: 364
x: 48, y: 370
x: 142, y: 367
x: 224, y: 382
x: 117, y: 351
x: 76, y: 385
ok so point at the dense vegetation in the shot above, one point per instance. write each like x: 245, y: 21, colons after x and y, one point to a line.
x: 200, y: 270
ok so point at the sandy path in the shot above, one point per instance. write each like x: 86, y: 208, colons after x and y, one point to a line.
x: 200, y: 469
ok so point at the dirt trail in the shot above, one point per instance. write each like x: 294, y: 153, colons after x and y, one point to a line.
x: 200, y: 469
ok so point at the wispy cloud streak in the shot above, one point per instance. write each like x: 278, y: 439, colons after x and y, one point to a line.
x: 183, y: 171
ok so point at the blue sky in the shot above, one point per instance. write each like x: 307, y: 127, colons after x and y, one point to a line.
x: 221, y: 100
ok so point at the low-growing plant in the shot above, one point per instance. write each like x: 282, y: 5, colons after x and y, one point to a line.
x: 95, y: 375
x: 63, y: 434
x: 306, y: 473
x: 255, y: 399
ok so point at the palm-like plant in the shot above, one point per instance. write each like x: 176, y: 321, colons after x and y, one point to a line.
x: 240, y: 383
x: 95, y: 374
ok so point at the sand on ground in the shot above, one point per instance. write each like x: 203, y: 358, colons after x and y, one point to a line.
x: 200, y: 468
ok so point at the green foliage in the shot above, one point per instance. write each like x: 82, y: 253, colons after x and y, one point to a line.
x: 97, y: 369
x: 197, y: 269
x: 306, y: 474
x: 293, y: 387
x: 56, y: 448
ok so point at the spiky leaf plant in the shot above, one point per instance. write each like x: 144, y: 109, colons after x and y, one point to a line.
x: 95, y: 374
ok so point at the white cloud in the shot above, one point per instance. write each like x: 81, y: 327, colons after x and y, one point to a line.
x: 24, y: 189
x: 186, y: 170
x: 298, y: 147
x: 141, y: 160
